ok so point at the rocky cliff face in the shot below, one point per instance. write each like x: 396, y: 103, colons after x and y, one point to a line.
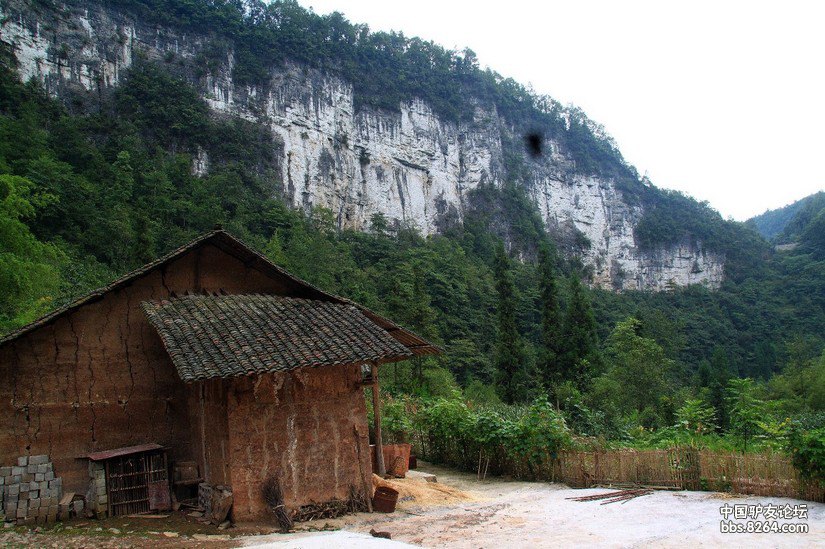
x: 409, y: 165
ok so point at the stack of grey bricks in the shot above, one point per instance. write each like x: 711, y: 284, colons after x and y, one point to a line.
x: 205, y: 497
x: 96, y: 497
x: 31, y: 492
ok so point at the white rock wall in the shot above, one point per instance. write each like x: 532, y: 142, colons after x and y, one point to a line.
x: 411, y: 166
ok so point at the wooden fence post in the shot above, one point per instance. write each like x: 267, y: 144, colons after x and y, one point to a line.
x: 376, y: 412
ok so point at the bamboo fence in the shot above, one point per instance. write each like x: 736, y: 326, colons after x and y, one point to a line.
x: 764, y: 474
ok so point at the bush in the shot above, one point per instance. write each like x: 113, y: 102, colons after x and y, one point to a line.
x: 539, y: 434
x: 807, y: 448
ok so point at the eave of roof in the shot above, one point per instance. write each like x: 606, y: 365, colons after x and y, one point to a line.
x: 125, y: 451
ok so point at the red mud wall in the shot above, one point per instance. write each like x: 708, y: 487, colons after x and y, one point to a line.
x: 308, y: 428
x: 99, y: 377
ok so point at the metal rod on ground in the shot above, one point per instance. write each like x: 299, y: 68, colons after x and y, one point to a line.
x: 376, y: 409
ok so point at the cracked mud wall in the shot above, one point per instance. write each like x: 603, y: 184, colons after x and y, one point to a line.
x: 308, y: 428
x: 98, y: 378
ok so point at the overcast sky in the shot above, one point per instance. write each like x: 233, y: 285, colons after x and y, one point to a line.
x: 724, y: 100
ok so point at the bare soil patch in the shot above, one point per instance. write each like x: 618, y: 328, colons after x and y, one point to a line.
x: 505, y: 513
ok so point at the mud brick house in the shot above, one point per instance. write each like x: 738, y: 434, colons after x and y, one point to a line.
x: 215, y: 355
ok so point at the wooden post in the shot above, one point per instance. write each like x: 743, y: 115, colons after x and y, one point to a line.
x: 376, y: 412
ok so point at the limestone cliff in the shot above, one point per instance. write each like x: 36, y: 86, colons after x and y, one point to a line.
x: 410, y: 165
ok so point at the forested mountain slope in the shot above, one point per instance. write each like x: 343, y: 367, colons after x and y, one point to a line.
x: 391, y: 171
x: 364, y: 123
x: 773, y: 223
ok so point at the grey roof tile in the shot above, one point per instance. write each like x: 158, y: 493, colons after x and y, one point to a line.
x: 235, y: 335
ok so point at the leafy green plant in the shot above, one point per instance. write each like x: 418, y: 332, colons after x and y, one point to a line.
x: 696, y: 417
x: 746, y: 410
x: 395, y: 420
x: 539, y: 434
x: 807, y: 449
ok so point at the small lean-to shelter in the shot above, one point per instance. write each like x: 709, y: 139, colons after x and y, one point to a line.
x: 215, y: 355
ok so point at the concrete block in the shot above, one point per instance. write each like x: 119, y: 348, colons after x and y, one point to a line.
x: 21, y: 512
x: 2, y: 481
x: 27, y: 477
x: 5, y: 471
x: 14, y: 489
x: 43, y: 485
x: 42, y: 469
x: 48, y: 475
x: 22, y: 461
x: 16, y: 479
x: 39, y: 477
x: 34, y: 503
x: 11, y: 508
x: 31, y: 468
x: 39, y: 460
x: 18, y: 470
x: 56, y: 483
x: 34, y: 494
x: 24, y: 496
x: 24, y: 487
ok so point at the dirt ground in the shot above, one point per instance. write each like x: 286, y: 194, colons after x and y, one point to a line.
x: 459, y: 512
x: 505, y: 513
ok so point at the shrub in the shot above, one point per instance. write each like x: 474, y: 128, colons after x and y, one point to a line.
x: 807, y: 450
x: 539, y: 434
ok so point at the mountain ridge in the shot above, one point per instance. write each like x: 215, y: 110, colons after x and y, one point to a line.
x: 411, y: 165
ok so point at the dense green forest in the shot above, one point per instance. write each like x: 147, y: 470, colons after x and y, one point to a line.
x: 87, y: 196
x: 783, y: 224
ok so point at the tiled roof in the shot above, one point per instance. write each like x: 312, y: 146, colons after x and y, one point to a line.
x: 235, y: 335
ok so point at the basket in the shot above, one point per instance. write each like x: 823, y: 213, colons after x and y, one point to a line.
x: 384, y: 499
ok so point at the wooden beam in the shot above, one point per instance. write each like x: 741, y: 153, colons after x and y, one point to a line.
x: 376, y: 412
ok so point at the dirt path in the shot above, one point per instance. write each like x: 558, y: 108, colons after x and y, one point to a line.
x: 525, y: 514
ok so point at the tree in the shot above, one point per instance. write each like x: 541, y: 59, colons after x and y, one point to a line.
x: 746, y: 410
x: 509, y: 352
x: 579, y: 336
x: 29, y: 275
x: 551, y: 321
x: 379, y: 224
x: 696, y: 417
x: 720, y: 374
x: 640, y: 370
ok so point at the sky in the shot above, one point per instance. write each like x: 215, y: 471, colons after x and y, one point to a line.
x: 723, y: 100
